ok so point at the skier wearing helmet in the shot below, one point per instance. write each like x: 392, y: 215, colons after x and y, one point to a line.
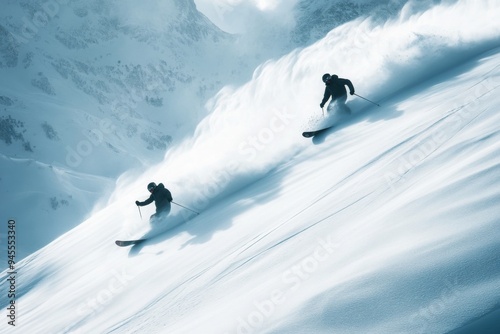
x: 335, y: 88
x: 162, y: 198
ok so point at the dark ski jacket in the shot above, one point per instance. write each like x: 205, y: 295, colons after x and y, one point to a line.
x: 335, y: 87
x: 162, y: 198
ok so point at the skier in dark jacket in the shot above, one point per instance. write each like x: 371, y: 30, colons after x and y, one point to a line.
x: 335, y: 88
x: 162, y: 198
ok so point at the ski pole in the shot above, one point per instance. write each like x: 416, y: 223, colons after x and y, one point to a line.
x: 367, y: 100
x: 323, y: 111
x: 182, y: 206
x: 140, y: 214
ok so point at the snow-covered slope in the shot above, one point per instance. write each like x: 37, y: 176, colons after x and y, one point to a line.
x: 387, y: 224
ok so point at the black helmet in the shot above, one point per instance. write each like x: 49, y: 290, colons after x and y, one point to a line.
x: 151, y: 186
x: 326, y: 77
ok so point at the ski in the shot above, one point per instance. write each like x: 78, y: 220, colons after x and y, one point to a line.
x: 124, y: 243
x: 309, y: 134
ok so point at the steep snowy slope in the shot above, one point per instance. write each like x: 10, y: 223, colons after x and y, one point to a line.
x: 387, y: 224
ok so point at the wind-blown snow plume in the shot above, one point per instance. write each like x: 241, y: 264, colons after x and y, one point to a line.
x: 255, y: 128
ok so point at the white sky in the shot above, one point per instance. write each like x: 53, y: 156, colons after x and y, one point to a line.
x: 237, y: 16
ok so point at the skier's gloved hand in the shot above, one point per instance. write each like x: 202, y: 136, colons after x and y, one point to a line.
x: 352, y: 92
x: 321, y: 105
x: 137, y: 203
